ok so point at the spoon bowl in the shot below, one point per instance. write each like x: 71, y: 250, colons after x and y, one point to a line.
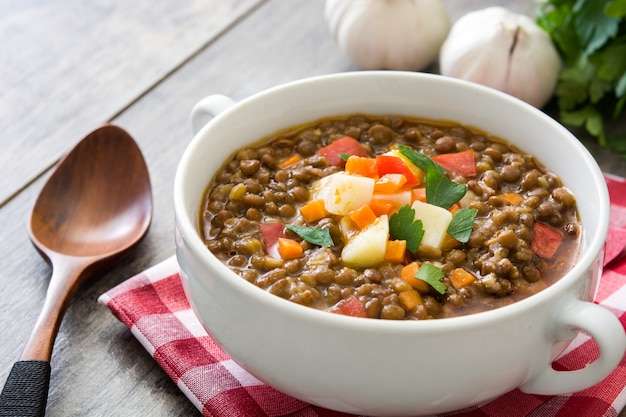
x: 95, y: 207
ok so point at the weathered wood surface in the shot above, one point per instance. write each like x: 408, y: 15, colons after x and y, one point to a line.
x: 68, y: 65
x: 143, y: 65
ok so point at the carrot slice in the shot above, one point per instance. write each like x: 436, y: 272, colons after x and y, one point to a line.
x: 395, y: 251
x: 513, y: 198
x: 410, y: 299
x: 293, y: 159
x: 460, y: 278
x: 390, y: 183
x: 358, y: 165
x: 289, y: 248
x: 408, y: 272
x: 381, y: 206
x: 313, y: 210
x: 363, y: 216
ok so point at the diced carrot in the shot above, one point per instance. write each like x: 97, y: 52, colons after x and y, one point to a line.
x: 410, y: 299
x: 460, y: 278
x: 545, y: 240
x: 381, y: 206
x: 462, y: 163
x: 396, y: 249
x: 289, y: 248
x: 350, y: 306
x: 313, y: 210
x: 408, y: 272
x: 293, y: 159
x: 389, y: 183
x: 454, y: 208
x: 363, y: 166
x: 363, y: 216
x: 418, y: 194
x: 332, y: 152
x: 513, y: 198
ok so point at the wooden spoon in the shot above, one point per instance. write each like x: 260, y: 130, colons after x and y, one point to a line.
x: 94, y: 208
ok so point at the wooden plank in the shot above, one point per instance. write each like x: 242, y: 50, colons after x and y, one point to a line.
x: 70, y: 65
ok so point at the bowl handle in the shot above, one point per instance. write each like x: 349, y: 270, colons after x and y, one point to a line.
x: 603, y: 327
x: 209, y: 106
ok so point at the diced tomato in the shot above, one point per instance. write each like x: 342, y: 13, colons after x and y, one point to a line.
x: 389, y: 164
x: 350, y: 306
x: 270, y: 233
x: 462, y: 163
x: 545, y: 241
x: 347, y: 145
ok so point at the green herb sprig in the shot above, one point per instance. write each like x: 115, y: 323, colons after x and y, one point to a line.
x: 314, y: 235
x: 590, y: 35
x: 403, y: 226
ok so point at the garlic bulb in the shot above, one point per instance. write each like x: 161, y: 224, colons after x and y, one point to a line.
x: 504, y: 50
x: 389, y: 34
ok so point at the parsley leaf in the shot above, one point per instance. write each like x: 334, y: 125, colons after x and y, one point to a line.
x: 590, y: 36
x: 432, y: 275
x: 403, y: 226
x: 344, y: 156
x: 441, y: 191
x: 419, y: 159
x: 314, y: 235
x: 462, y: 223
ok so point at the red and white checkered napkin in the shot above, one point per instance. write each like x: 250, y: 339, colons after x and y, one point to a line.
x: 153, y: 306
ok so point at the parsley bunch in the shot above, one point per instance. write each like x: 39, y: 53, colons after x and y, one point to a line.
x: 591, y: 38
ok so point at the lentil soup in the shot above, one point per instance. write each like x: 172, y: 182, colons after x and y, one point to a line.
x: 391, y: 217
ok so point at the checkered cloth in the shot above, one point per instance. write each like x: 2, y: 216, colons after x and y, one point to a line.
x: 153, y: 306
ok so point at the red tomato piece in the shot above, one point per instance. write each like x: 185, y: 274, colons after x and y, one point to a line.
x: 270, y: 233
x: 462, y: 163
x: 389, y: 164
x: 347, y: 145
x: 545, y: 241
x: 350, y: 306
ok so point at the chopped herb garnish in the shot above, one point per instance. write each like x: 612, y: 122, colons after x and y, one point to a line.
x: 441, y: 191
x: 432, y: 275
x: 419, y: 159
x: 344, y: 156
x: 403, y: 226
x: 462, y: 223
x: 314, y: 235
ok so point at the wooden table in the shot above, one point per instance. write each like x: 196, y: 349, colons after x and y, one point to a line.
x: 69, y: 66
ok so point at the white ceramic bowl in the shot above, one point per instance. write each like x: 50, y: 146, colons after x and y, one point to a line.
x: 379, y: 367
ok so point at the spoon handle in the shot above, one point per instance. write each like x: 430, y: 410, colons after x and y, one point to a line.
x: 25, y: 392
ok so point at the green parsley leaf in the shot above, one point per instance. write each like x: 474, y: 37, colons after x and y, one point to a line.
x: 462, y: 223
x: 314, y: 235
x: 441, y: 191
x: 344, y: 156
x: 419, y: 159
x: 432, y: 275
x: 590, y: 36
x: 403, y: 226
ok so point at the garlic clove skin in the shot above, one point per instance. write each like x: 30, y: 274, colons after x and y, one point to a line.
x: 389, y: 34
x: 503, y: 50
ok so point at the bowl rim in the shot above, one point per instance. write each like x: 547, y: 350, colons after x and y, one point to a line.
x: 188, y: 228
